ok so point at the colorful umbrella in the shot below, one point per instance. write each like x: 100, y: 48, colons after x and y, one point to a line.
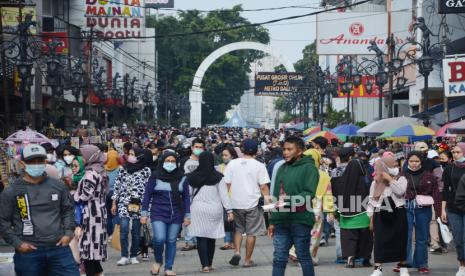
x: 28, y: 135
x: 326, y: 134
x: 457, y: 128
x: 346, y: 130
x: 313, y: 130
x: 443, y: 131
x: 410, y: 131
x: 379, y: 127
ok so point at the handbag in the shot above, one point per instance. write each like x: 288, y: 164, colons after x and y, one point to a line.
x: 115, y: 240
x: 134, y: 206
x: 145, y: 238
x: 422, y: 200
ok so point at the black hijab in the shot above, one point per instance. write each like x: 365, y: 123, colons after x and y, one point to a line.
x: 353, y: 184
x: 205, y: 174
x: 163, y: 175
x: 143, y: 159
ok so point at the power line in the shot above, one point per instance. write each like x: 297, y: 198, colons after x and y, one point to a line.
x: 217, y: 10
x: 219, y: 30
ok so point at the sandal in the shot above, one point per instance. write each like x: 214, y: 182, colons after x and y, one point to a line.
x: 205, y: 270
x: 235, y: 260
x: 170, y: 273
x: 251, y: 264
x: 227, y: 247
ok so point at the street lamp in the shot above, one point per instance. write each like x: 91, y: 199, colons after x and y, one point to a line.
x: 351, y: 79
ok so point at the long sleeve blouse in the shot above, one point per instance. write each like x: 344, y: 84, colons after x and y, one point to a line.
x: 160, y: 202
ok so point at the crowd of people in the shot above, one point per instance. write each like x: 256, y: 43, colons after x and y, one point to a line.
x: 62, y: 206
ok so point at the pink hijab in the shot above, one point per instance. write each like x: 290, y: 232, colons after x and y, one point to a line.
x: 382, y: 165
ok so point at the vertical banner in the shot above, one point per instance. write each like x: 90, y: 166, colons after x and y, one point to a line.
x: 116, y: 19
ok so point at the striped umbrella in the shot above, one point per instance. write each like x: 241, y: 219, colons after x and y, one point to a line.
x: 413, y: 132
x: 329, y: 135
x: 313, y: 130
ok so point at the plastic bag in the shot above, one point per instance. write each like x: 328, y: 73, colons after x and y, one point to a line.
x: 445, y: 232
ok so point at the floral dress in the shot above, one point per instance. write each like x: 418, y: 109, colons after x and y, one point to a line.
x: 91, y: 192
x: 129, y: 186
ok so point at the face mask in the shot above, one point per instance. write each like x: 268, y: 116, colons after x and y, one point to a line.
x: 35, y: 170
x: 413, y: 170
x: 169, y: 167
x: 226, y: 161
x: 69, y: 159
x: 393, y: 171
x: 197, y: 152
x: 51, y: 158
x: 461, y: 160
x: 132, y: 159
x: 444, y: 164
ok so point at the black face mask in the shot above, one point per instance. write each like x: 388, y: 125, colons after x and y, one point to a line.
x: 444, y: 163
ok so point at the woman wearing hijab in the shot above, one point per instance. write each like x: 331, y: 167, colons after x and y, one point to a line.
x: 112, y: 168
x: 127, y: 198
x: 356, y: 237
x: 167, y: 195
x: 422, y: 194
x: 210, y: 195
x: 228, y: 153
x: 91, y: 194
x: 386, y: 207
x: 453, y: 202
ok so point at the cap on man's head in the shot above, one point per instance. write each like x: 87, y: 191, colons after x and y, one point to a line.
x: 421, y: 146
x: 33, y: 151
x: 250, y: 146
x: 432, y: 154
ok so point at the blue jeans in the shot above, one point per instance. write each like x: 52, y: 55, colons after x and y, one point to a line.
x: 418, y: 219
x: 457, y: 225
x: 110, y: 218
x: 286, y: 235
x: 51, y: 261
x: 337, y: 231
x: 164, y: 233
x: 228, y: 237
x: 124, y: 234
x: 326, y: 229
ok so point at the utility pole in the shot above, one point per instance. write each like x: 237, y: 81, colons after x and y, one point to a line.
x: 444, y: 51
x: 4, y: 82
x: 391, y: 52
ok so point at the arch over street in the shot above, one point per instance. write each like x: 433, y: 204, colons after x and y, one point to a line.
x: 195, y: 94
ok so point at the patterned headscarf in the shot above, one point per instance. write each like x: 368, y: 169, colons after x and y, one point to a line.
x: 94, y: 158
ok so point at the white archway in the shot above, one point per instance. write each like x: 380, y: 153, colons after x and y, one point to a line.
x: 195, y: 94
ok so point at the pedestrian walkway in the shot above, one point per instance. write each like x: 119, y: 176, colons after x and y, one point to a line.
x: 187, y: 263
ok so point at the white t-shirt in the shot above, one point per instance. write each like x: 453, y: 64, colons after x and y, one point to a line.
x: 245, y: 176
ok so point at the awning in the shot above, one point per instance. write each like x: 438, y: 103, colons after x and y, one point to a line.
x: 456, y: 110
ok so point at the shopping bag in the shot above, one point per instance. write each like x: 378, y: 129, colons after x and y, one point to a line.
x: 445, y: 232
x: 145, y: 237
x: 115, y: 240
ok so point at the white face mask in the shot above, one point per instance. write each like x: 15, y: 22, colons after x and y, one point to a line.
x: 69, y: 159
x: 393, y: 171
x: 51, y: 158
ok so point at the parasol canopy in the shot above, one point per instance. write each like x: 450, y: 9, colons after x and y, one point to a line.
x: 346, y: 130
x: 28, y: 135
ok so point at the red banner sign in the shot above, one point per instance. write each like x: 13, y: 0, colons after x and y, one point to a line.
x: 57, y: 36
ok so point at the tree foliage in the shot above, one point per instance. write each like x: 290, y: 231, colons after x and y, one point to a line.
x: 180, y: 57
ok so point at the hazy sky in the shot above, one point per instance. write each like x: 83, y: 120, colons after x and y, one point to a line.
x: 288, y: 37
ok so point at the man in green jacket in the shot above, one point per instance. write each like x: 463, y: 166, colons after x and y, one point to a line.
x: 296, y: 183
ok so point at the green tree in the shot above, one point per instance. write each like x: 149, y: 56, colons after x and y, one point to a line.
x: 334, y: 117
x: 179, y: 58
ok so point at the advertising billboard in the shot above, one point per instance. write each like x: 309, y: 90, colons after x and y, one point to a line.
x: 350, y: 33
x: 277, y: 84
x: 116, y: 19
x: 454, y: 76
x: 451, y: 6
x: 159, y: 4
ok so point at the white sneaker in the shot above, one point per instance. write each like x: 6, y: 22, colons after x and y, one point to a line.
x: 403, y: 271
x: 461, y: 271
x: 134, y: 260
x: 123, y: 261
x: 377, y: 272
